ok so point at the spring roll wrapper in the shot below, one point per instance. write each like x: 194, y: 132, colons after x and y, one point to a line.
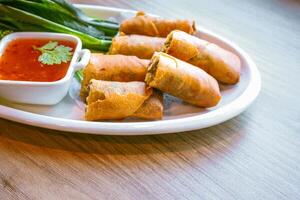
x: 152, y: 108
x: 183, y: 80
x: 113, y: 68
x: 118, y: 100
x: 143, y: 24
x: 218, y: 62
x: 136, y: 45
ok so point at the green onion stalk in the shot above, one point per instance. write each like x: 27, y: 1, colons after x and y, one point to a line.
x: 57, y: 16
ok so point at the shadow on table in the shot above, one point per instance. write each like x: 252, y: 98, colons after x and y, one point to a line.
x: 219, y: 138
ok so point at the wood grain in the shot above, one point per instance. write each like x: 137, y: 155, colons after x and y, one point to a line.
x: 253, y: 156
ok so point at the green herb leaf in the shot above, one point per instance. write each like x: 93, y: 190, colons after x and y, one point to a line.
x: 50, y: 45
x: 52, y: 53
x: 46, y: 58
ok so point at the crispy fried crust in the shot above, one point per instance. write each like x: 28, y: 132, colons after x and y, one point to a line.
x: 152, y: 108
x: 118, y: 100
x: 183, y: 80
x: 218, y: 62
x: 136, y: 45
x: 143, y: 24
x: 113, y: 68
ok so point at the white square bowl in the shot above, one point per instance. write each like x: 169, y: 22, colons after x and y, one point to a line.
x: 43, y: 93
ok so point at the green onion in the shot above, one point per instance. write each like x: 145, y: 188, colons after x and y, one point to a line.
x: 25, y: 21
x: 55, y: 13
x: 79, y: 75
x: 57, y: 16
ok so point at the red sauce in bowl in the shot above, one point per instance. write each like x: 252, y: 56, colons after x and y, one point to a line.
x: 19, y: 61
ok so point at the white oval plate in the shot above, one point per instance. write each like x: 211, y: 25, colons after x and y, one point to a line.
x: 178, y: 116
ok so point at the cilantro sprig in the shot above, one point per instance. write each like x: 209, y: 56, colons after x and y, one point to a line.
x: 52, y: 53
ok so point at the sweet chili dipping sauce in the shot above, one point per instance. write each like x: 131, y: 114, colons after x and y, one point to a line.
x: 19, y: 61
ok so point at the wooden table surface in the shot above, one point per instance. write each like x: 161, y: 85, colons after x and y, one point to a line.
x: 253, y: 156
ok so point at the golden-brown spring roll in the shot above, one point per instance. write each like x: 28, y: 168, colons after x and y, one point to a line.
x: 136, y: 45
x: 143, y: 24
x: 118, y: 100
x: 113, y: 68
x: 182, y: 80
x: 152, y: 108
x: 218, y: 62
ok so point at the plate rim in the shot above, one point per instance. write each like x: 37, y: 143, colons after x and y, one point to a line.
x: 224, y: 113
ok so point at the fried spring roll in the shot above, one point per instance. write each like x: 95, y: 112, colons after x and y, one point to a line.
x: 118, y: 100
x: 143, y: 24
x: 136, y: 45
x: 218, y: 62
x: 152, y: 108
x: 182, y: 80
x: 113, y: 68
